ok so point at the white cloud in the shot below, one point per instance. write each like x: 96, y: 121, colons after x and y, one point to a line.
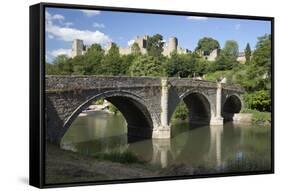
x: 50, y: 36
x: 90, y: 13
x: 60, y: 51
x: 131, y: 42
x: 68, y: 24
x: 67, y: 33
x: 58, y: 17
x: 53, y: 17
x: 196, y: 18
x: 237, y: 26
x: 98, y: 25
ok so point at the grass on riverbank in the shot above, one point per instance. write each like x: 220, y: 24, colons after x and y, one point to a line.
x: 259, y: 117
x: 66, y: 166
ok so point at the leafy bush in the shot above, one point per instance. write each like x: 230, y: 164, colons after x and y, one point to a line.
x: 146, y: 66
x: 99, y: 102
x: 259, y: 100
x: 181, y: 111
x: 113, y: 109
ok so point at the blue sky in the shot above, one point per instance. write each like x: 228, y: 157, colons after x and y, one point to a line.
x: 64, y: 25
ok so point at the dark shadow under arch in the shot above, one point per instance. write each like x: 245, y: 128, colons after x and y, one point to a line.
x: 199, y: 108
x: 232, y: 105
x: 133, y: 108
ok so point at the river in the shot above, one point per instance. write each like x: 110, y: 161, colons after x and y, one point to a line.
x: 245, y: 146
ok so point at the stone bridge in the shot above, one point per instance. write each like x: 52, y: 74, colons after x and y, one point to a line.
x: 147, y: 103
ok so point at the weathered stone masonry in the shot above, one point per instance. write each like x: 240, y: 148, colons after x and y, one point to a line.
x: 147, y: 103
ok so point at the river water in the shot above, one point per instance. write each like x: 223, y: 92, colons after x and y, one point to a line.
x: 245, y: 146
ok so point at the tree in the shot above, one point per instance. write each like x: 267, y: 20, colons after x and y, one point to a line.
x: 223, y: 62
x: 62, y: 65
x: 262, y: 55
x: 146, y: 65
x: 179, y: 65
x: 78, y: 65
x: 155, y: 45
x: 50, y: 69
x: 256, y: 77
x: 227, y: 58
x: 126, y: 62
x: 135, y: 49
x: 207, y: 45
x: 90, y: 63
x: 248, y: 53
x: 259, y: 100
x: 258, y: 73
x: 111, y: 62
x: 231, y: 49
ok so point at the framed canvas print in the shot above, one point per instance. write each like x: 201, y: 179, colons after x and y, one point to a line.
x: 127, y: 95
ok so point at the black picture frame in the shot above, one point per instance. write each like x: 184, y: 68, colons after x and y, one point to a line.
x: 37, y: 88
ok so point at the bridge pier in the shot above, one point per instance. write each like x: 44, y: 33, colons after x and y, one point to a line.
x: 164, y: 130
x: 217, y: 119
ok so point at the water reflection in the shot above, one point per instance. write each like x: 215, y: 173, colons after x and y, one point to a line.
x: 215, y: 144
x: 161, y: 150
x: 190, y: 145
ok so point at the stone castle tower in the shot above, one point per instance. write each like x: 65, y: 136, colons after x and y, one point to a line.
x: 142, y: 42
x: 78, y: 48
x: 171, y: 46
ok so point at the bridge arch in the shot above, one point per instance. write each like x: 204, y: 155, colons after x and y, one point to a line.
x: 231, y: 105
x: 200, y: 107
x: 140, y: 120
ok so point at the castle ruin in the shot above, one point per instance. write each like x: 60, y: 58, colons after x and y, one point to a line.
x: 78, y: 47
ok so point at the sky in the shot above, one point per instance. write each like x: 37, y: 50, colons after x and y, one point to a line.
x: 94, y: 26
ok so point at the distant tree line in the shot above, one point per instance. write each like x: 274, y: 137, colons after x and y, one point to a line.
x: 254, y: 75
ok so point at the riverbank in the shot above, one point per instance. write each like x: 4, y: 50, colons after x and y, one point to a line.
x: 66, y: 166
x: 259, y: 118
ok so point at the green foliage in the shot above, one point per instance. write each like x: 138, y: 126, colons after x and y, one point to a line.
x: 112, y: 62
x: 126, y: 62
x: 135, y: 49
x: 155, y: 45
x: 223, y: 62
x: 207, y: 45
x: 231, y: 49
x: 262, y: 55
x: 259, y: 100
x: 254, y: 77
x: 258, y: 72
x: 146, y: 65
x: 248, y: 53
x: 258, y: 116
x: 113, y: 109
x: 215, y: 76
x: 99, y: 101
x: 181, y: 111
x: 60, y: 66
x: 186, y: 65
x: 50, y: 69
x: 90, y: 63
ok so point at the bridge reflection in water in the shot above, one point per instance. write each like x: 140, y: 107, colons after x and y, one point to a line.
x: 190, y: 145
